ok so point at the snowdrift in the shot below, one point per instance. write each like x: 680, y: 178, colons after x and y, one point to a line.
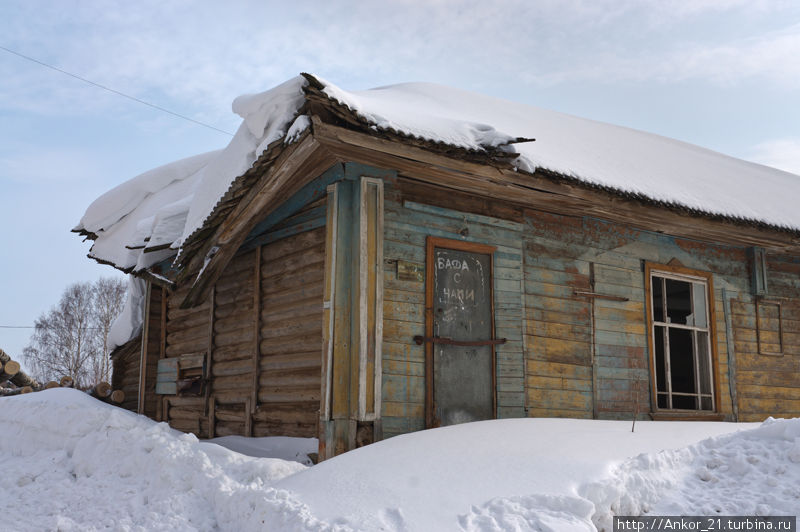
x: 70, y: 462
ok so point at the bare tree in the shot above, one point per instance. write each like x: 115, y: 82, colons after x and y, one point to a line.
x: 71, y: 338
x: 109, y: 296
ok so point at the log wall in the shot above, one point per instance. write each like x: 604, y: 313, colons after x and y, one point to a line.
x: 125, y: 374
x: 567, y: 355
x: 260, y: 331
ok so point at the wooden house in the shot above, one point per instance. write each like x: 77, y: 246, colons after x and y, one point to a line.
x: 357, y: 265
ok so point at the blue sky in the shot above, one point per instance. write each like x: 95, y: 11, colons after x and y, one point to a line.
x: 724, y: 74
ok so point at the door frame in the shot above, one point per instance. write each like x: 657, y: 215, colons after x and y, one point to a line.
x: 432, y: 243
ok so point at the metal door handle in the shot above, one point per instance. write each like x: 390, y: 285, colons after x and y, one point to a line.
x: 419, y: 340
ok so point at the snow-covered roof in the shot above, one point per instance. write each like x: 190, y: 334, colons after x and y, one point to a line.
x: 151, y: 216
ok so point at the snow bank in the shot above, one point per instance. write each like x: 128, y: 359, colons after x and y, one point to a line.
x: 70, y: 462
x: 73, y: 463
x: 283, y: 447
x: 756, y: 472
x: 483, y: 476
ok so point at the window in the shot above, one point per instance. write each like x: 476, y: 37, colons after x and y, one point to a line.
x: 681, y: 329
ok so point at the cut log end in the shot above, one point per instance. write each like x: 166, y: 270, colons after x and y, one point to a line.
x: 11, y: 368
x: 101, y: 390
x: 51, y: 384
x: 117, y: 396
x: 66, y: 382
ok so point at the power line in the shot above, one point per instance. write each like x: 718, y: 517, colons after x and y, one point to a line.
x: 42, y: 327
x: 114, y: 91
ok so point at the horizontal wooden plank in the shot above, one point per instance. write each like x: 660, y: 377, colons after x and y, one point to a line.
x: 401, y: 311
x: 311, y: 359
x: 558, y: 383
x: 577, y: 333
x: 558, y: 350
x: 460, y: 216
x: 403, y: 351
x: 560, y: 399
x: 403, y: 367
x: 545, y: 368
x: 403, y: 388
x: 542, y: 411
x: 402, y: 409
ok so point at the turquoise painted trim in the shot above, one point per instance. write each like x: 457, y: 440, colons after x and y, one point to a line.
x: 286, y: 232
x: 307, y: 216
x: 460, y: 215
x: 354, y: 172
x: 312, y: 191
x: 344, y: 303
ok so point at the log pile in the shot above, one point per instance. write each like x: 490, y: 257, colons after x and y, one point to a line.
x: 14, y: 381
x: 20, y: 379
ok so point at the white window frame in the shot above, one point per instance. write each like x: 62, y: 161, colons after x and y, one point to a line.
x: 689, y: 276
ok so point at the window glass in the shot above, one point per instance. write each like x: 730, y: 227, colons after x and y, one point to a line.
x: 658, y: 299
x: 662, y: 400
x: 680, y: 338
x: 684, y: 402
x: 699, y: 305
x: 681, y: 360
x: 661, y: 367
x: 679, y: 302
x: 704, y: 362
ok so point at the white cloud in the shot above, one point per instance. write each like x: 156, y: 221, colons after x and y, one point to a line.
x: 778, y: 153
x: 198, y: 57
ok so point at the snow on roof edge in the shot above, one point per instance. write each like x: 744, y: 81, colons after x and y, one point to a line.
x: 619, y: 160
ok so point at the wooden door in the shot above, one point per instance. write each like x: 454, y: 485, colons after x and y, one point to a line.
x: 459, y: 333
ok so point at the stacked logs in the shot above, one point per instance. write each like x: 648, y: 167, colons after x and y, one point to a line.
x: 14, y: 381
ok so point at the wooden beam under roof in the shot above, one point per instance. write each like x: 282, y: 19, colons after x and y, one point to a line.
x: 285, y: 169
x: 295, y: 165
x: 546, y: 191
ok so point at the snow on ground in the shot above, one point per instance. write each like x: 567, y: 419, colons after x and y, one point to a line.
x: 438, y: 479
x: 70, y: 462
x: 283, y: 447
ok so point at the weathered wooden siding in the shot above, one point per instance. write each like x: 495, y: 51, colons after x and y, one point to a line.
x: 768, y: 346
x: 291, y: 335
x: 188, y: 331
x: 581, y: 356
x: 260, y: 331
x: 125, y: 374
x: 567, y: 255
x: 411, y: 214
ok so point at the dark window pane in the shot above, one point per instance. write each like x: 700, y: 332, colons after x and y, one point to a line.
x: 684, y: 402
x: 699, y: 303
x: 661, y: 367
x: 658, y: 299
x: 679, y: 300
x: 662, y: 400
x: 681, y: 361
